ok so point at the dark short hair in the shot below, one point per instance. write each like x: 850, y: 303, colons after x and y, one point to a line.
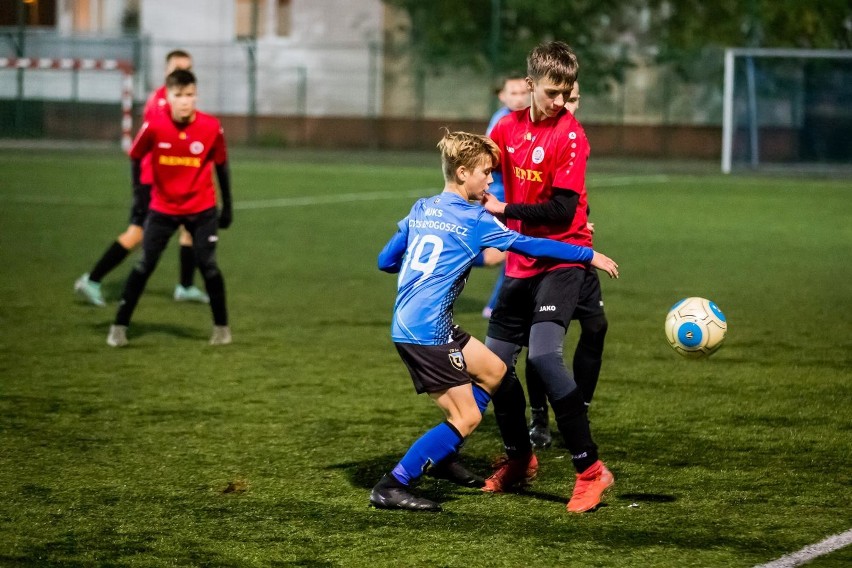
x: 554, y: 60
x: 177, y: 53
x: 180, y: 78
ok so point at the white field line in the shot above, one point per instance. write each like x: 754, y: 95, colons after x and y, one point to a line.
x: 309, y: 200
x: 379, y: 195
x: 808, y: 553
x: 330, y: 199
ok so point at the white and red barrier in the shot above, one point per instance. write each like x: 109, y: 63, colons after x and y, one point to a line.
x: 68, y: 64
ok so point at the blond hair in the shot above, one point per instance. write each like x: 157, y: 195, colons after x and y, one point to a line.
x: 554, y: 60
x: 468, y: 150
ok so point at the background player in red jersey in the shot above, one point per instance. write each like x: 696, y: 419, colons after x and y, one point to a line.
x: 513, y: 95
x: 184, y: 146
x: 544, y: 151
x: 89, y: 285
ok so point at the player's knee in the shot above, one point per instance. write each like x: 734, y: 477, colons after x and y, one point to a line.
x: 546, y: 364
x: 593, y: 331
x: 594, y: 326
x: 208, y: 270
x: 467, y: 422
x: 493, y: 375
x: 504, y: 350
x: 144, y: 268
x: 130, y: 239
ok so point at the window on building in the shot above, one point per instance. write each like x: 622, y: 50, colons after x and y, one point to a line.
x: 248, y: 18
x: 257, y: 18
x: 33, y: 13
x: 282, y: 27
x: 85, y: 11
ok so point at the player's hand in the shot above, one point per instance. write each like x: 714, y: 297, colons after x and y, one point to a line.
x: 605, y: 263
x: 226, y: 217
x: 591, y: 227
x: 493, y: 205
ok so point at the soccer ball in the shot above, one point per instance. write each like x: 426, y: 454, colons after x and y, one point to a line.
x: 695, y: 327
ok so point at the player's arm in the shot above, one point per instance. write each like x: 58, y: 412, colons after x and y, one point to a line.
x: 558, y: 210
x: 390, y: 259
x: 141, y: 191
x: 226, y: 214
x: 565, y: 252
x: 142, y: 144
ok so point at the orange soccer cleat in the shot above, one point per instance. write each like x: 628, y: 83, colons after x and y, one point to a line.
x: 589, y: 487
x: 511, y: 472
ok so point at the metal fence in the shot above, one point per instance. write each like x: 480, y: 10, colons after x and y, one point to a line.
x: 245, y: 78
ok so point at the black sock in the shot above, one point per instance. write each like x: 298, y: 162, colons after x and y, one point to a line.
x: 573, y: 424
x: 112, y: 257
x: 588, y: 356
x: 187, y: 265
x: 133, y: 289
x: 510, y: 411
x: 216, y: 290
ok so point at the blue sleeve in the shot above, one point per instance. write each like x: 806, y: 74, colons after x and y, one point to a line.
x: 495, y: 118
x: 490, y: 232
x: 390, y: 259
x: 549, y: 248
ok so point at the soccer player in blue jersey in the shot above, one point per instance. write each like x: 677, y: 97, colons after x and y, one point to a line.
x: 433, y: 251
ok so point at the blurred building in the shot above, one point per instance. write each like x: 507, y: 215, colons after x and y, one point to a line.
x: 345, y: 73
x: 264, y: 56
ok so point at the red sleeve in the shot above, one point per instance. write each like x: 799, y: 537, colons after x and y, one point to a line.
x: 143, y: 143
x: 220, y: 151
x: 570, y: 167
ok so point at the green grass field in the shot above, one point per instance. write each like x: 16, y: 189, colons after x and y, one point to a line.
x: 170, y: 452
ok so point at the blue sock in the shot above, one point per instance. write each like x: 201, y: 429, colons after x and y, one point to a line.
x: 482, y: 397
x: 432, y: 447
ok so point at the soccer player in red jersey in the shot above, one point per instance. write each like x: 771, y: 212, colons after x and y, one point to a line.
x: 184, y: 147
x: 544, y: 152
x: 587, y: 355
x: 89, y: 285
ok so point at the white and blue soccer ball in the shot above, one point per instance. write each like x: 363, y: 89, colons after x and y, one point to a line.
x: 696, y: 327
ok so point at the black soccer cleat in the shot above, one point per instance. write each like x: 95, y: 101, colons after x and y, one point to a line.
x: 390, y: 494
x: 540, y: 436
x: 452, y: 470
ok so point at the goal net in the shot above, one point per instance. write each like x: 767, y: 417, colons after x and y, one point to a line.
x: 787, y: 108
x: 122, y: 70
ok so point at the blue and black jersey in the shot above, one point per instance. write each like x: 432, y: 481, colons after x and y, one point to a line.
x: 433, y: 251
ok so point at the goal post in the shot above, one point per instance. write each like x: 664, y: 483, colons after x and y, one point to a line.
x: 786, y: 106
x: 108, y: 65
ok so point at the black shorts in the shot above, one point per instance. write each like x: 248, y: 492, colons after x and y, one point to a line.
x: 436, y: 368
x: 159, y: 228
x: 559, y: 296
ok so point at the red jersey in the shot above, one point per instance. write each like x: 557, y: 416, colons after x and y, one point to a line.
x: 182, y: 162
x: 156, y: 104
x: 535, y: 158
